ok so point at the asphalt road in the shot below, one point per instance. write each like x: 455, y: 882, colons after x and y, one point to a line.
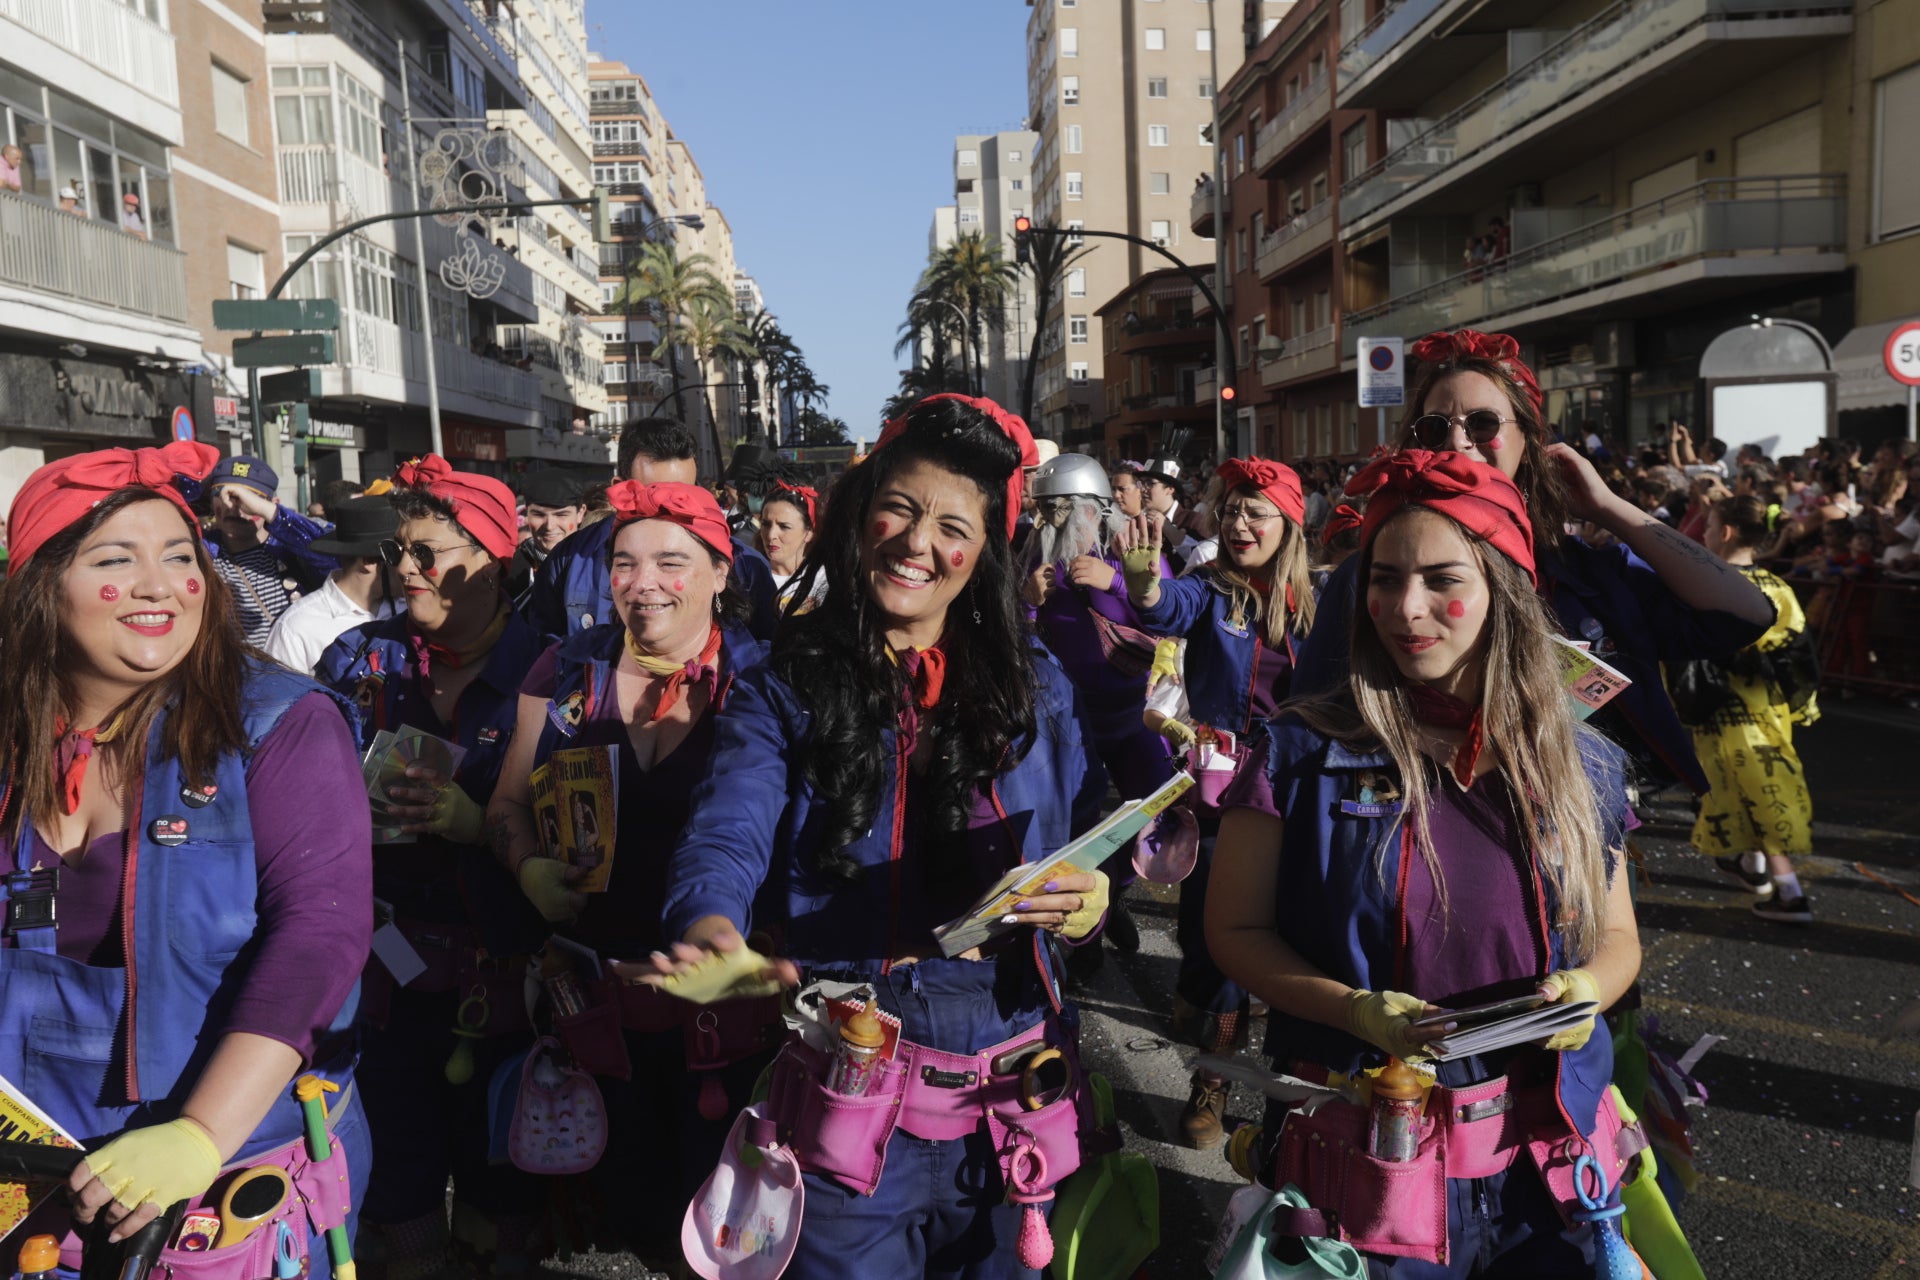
x: 1803, y: 1148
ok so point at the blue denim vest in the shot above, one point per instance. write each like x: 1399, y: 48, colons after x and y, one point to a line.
x: 583, y: 661
x: 573, y: 589
x: 1220, y: 655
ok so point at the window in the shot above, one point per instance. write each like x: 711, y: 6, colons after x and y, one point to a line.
x: 1203, y: 40
x: 1159, y: 184
x: 1070, y: 90
x: 1157, y: 135
x: 1239, y: 153
x: 1016, y: 184
x: 229, y: 104
x: 1074, y: 238
x: 246, y: 271
x: 1206, y: 88
x: 1316, y: 68
x: 1896, y: 179
x: 969, y: 216
x: 1319, y: 189
x: 1073, y: 140
x: 1077, y: 329
x: 1156, y: 38
x: 1013, y: 157
x: 1259, y: 232
x: 1157, y: 87
x: 967, y: 156
x: 302, y: 106
x: 1160, y: 231
x: 1299, y: 318
x: 1069, y: 42
x: 1074, y: 188
x: 1077, y: 371
x: 1246, y: 346
x: 1077, y: 282
x: 1240, y: 248
x: 1322, y: 309
x: 320, y: 278
x: 1353, y: 150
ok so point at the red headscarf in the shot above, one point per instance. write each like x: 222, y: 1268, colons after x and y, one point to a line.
x: 1276, y: 481
x: 61, y: 492
x: 807, y: 497
x: 1501, y: 348
x: 687, y: 505
x: 484, y: 506
x: 1012, y: 424
x: 1480, y: 497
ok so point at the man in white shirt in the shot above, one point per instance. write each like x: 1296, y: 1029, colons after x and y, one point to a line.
x: 360, y: 590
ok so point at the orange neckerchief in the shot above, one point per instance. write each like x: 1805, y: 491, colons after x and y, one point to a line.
x: 72, y: 751
x: 678, y: 674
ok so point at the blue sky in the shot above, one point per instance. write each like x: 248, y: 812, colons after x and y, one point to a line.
x: 825, y: 131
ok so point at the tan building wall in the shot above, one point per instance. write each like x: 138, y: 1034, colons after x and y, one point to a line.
x: 226, y: 188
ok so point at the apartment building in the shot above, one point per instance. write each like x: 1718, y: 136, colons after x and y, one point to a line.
x: 993, y: 185
x: 1155, y: 348
x: 760, y: 412
x: 1120, y: 94
x: 98, y: 343
x: 1618, y: 184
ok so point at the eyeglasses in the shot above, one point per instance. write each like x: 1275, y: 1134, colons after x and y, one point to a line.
x: 1256, y: 520
x: 424, y: 554
x: 1435, y: 430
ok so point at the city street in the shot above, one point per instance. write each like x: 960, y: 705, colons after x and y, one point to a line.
x: 1803, y: 1148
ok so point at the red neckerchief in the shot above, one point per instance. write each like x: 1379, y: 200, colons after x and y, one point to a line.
x: 927, y: 676
x: 1444, y: 711
x: 427, y: 652
x: 72, y: 750
x: 700, y: 670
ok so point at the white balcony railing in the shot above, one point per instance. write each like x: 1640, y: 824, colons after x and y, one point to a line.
x: 327, y: 174
x: 1294, y: 239
x: 1389, y: 27
x: 124, y: 44
x: 49, y: 250
x: 1298, y: 116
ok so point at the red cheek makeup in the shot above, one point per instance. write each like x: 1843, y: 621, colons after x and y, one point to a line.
x: 1373, y: 608
x: 959, y: 558
x: 1455, y: 609
x: 193, y: 586
x: 679, y: 586
x: 109, y: 592
x: 1493, y: 445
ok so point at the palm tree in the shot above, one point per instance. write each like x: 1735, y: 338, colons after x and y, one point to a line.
x: 772, y: 351
x: 972, y: 274
x: 930, y: 315
x: 1051, y: 257
x: 710, y: 330
x: 670, y: 286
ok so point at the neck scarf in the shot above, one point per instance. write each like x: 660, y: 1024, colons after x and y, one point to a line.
x: 701, y: 670
x: 1439, y: 710
x: 72, y: 751
x: 927, y: 677
x: 426, y: 652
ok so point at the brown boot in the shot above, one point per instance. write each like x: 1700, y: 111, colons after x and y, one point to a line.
x: 1203, y: 1122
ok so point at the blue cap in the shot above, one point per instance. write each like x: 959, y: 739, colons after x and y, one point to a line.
x: 247, y: 470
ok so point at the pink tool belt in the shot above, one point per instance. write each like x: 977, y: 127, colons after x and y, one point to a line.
x: 717, y: 1035
x: 933, y: 1095
x: 1399, y: 1208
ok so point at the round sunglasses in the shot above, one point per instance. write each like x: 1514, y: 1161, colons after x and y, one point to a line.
x: 391, y: 553
x: 1435, y: 430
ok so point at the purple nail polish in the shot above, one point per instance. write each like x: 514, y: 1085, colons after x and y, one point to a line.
x: 1022, y: 906
x: 1053, y: 886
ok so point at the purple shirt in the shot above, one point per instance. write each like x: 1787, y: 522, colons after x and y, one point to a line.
x: 313, y: 889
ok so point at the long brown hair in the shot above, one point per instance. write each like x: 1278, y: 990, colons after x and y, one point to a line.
x: 1535, y: 740
x: 1537, y: 479
x: 1288, y: 604
x: 201, y: 695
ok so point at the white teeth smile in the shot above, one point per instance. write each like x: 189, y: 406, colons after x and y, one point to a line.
x: 911, y: 573
x: 148, y: 619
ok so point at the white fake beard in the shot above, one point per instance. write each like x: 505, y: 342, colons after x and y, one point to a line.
x: 1084, y: 534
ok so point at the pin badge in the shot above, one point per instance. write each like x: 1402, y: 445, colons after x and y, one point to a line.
x: 198, y: 797
x: 489, y: 736
x: 586, y: 620
x: 169, y: 831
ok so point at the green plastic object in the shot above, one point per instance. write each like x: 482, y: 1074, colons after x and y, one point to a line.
x: 1106, y: 1216
x: 1251, y: 1256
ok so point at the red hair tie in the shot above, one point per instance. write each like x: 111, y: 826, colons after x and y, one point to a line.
x: 1480, y: 497
x: 1012, y: 424
x: 1277, y: 482
x: 61, y: 492
x: 1465, y: 344
x: 808, y: 498
x: 1343, y: 518
x: 485, y: 507
x: 687, y: 505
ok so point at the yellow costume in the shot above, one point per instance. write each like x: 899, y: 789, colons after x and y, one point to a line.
x: 1759, y: 798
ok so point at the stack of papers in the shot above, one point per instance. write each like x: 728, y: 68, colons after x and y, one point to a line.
x: 1502, y: 1025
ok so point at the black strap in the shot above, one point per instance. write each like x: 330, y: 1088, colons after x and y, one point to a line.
x: 1289, y: 1221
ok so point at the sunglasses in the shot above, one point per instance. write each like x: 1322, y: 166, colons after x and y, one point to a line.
x: 423, y: 554
x: 1435, y: 430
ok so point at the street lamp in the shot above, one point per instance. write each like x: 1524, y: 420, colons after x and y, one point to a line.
x: 976, y: 377
x: 691, y: 221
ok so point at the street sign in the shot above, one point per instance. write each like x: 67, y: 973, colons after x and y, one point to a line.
x: 1902, y: 353
x: 1383, y: 373
x: 183, y: 424
x: 287, y: 388
x: 298, y: 348
x: 298, y: 424
x: 276, y: 313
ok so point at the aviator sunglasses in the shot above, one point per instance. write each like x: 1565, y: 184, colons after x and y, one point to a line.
x: 1435, y: 430
x: 391, y: 553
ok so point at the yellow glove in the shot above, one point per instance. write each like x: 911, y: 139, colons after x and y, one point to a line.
x: 1385, y: 1019
x: 157, y: 1165
x: 725, y: 975
x: 1570, y: 986
x: 1178, y: 732
x: 1166, y: 661
x: 457, y: 817
x: 1093, y: 906
x: 1141, y: 568
x: 545, y: 882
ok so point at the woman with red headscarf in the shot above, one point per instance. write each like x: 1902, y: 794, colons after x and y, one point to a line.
x: 648, y: 684
x: 1440, y: 834
x: 182, y: 938
x: 450, y: 667
x: 1241, y: 615
x: 788, y: 516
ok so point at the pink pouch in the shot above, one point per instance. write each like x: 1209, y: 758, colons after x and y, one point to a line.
x: 1167, y: 848
x: 1396, y: 1208
x: 559, y: 1121
x: 594, y: 1038
x: 744, y: 1221
x: 1053, y: 1131
x: 1213, y: 769
x: 844, y: 1138
x: 1484, y: 1134
x: 1554, y: 1152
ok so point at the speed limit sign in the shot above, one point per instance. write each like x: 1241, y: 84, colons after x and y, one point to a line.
x: 1903, y: 353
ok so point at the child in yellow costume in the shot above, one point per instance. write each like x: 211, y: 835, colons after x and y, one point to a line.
x: 1758, y: 817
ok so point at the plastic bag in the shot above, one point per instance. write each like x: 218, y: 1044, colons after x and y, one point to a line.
x: 744, y: 1221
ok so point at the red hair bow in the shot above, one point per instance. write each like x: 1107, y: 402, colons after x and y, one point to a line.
x: 485, y: 507
x: 61, y: 492
x: 1012, y: 424
x: 1343, y: 518
x: 1478, y: 496
x: 687, y: 505
x: 1276, y: 481
x: 808, y: 496
x: 1470, y: 344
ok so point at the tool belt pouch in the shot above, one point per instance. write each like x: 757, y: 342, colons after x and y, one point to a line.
x: 719, y: 1035
x: 844, y: 1138
x: 594, y: 1038
x: 1394, y: 1208
x: 1213, y: 768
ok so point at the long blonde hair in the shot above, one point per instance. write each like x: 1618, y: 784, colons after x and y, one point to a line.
x: 1535, y: 741
x: 1289, y: 603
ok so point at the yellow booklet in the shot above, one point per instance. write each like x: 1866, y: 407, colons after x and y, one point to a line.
x: 21, y: 1121
x: 575, y: 810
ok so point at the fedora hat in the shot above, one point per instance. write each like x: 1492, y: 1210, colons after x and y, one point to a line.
x: 360, y: 526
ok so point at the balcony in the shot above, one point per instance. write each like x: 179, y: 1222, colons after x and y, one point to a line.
x: 1201, y: 307
x: 110, y: 36
x: 330, y: 175
x: 1170, y: 409
x: 1150, y: 333
x: 1200, y: 208
x: 1707, y: 242
x: 381, y: 361
x: 47, y: 250
x: 1292, y: 241
x: 1369, y: 49
x: 1306, y: 356
x: 1298, y: 118
x: 1593, y: 80
x: 617, y: 107
x: 630, y: 149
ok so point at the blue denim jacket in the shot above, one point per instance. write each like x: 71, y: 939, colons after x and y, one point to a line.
x: 573, y: 588
x: 1220, y: 656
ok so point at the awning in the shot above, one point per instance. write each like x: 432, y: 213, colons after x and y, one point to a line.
x: 1859, y: 362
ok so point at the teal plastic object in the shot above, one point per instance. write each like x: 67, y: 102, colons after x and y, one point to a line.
x: 1252, y: 1255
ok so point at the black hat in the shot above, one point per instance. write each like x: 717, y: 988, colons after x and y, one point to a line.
x: 362, y: 524
x: 750, y: 460
x: 553, y: 487
x: 1163, y: 469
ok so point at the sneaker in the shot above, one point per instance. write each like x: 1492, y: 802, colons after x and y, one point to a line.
x: 1203, y: 1122
x: 1784, y: 910
x: 1757, y: 883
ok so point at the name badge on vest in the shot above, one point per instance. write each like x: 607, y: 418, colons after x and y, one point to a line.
x: 566, y: 713
x: 168, y: 831
x: 1376, y: 794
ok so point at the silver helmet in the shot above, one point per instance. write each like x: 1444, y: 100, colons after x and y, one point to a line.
x: 1070, y: 475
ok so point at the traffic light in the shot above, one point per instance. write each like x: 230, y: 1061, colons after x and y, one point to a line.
x: 1227, y: 393
x: 1023, y: 240
x: 602, y: 216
